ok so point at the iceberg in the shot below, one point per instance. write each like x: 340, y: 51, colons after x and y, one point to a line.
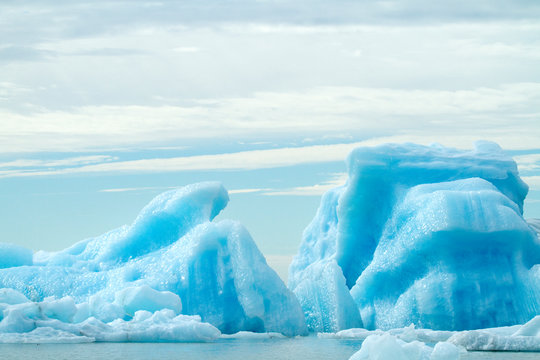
x: 423, y: 235
x: 172, y: 275
x: 389, y: 347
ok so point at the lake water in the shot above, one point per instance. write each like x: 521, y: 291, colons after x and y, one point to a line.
x: 311, y: 348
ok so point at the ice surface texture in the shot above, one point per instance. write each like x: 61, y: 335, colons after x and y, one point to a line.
x: 410, y: 342
x: 426, y: 235
x: 172, y: 257
x: 61, y: 321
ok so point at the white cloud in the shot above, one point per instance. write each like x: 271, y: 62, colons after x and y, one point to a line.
x: 529, y: 162
x: 72, y: 161
x: 246, y: 191
x: 532, y: 181
x: 144, y: 188
x: 507, y: 114
x: 245, y: 160
x: 312, y: 190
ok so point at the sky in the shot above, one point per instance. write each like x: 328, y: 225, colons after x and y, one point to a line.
x: 105, y: 104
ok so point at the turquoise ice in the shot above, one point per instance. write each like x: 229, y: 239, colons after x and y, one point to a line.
x: 173, y: 258
x: 426, y: 235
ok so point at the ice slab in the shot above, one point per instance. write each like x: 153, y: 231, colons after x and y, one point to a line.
x: 408, y: 334
x: 520, y: 338
x: 389, y: 347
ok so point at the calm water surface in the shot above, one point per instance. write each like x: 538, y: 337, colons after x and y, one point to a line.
x: 225, y: 349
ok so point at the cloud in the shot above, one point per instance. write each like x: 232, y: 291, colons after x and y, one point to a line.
x: 507, y: 114
x: 532, y: 181
x: 529, y: 162
x: 245, y: 160
x: 143, y: 188
x: 9, y: 89
x: 72, y: 161
x: 67, y: 17
x: 161, y: 188
x: 23, y: 53
x: 117, y: 52
x: 313, y: 190
x: 246, y: 191
x: 187, y: 49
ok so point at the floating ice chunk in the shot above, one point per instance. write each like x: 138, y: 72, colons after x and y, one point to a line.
x: 252, y: 335
x: 378, y: 177
x: 469, y: 229
x: 389, y: 347
x: 479, y: 340
x: 13, y: 255
x: 426, y: 235
x: 143, y: 297
x: 35, y: 322
x: 172, y: 257
x: 409, y: 333
x: 44, y: 335
x: 516, y: 338
x: 445, y: 351
x: 161, y: 326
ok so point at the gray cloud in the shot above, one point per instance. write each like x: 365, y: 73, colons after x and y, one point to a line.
x: 108, y: 52
x: 23, y: 53
x: 75, y: 19
x: 507, y: 114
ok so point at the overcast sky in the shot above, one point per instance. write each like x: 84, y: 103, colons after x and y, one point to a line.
x: 105, y: 104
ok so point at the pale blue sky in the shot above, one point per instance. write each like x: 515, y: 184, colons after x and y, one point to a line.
x: 105, y: 104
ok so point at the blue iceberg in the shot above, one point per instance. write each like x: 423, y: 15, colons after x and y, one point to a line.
x: 173, y: 269
x: 426, y: 235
